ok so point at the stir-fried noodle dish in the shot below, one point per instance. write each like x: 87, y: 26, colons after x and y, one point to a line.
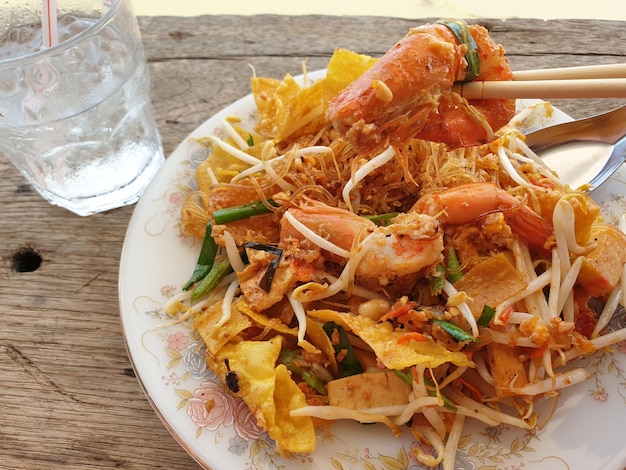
x: 380, y: 249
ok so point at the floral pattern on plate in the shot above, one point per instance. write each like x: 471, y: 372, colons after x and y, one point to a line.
x: 220, y: 432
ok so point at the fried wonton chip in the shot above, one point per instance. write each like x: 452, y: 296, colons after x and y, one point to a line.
x: 263, y: 90
x: 288, y: 109
x: 490, y: 283
x: 383, y: 340
x: 251, y: 364
x: 265, y: 322
x: 302, y: 113
x: 293, y: 433
x: 343, y: 68
x: 318, y: 337
x: 268, y: 390
x: 215, y: 337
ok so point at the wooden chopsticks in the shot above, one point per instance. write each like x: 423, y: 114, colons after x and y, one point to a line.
x: 596, y: 81
x: 566, y: 73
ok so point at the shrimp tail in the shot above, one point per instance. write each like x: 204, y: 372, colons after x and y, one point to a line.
x: 532, y: 228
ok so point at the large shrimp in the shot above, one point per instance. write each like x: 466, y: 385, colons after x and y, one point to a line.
x: 393, y: 257
x: 408, y: 93
x: 465, y: 203
x: 399, y: 251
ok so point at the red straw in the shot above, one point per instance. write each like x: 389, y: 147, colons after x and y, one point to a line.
x: 49, y: 23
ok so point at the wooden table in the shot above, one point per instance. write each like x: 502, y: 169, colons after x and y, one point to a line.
x: 69, y: 396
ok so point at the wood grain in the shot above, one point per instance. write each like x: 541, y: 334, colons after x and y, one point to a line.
x: 69, y: 396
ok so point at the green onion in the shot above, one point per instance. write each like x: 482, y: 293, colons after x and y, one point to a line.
x: 219, y: 271
x: 436, y: 281
x: 250, y: 140
x: 349, y: 365
x: 231, y: 214
x: 291, y: 359
x: 453, y: 268
x: 406, y: 377
x: 382, y: 219
x: 206, y: 258
x: 461, y: 31
x: 457, y: 333
x: 486, y: 315
x: 432, y: 391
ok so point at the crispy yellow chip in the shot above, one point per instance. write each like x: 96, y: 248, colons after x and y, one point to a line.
x: 267, y: 389
x: 274, y: 99
x: 253, y: 364
x: 318, y: 337
x: 215, y: 337
x: 383, y: 340
x: 292, y: 433
x: 263, y: 91
x: 297, y: 110
x: 287, y: 109
x: 491, y: 282
x: 343, y: 68
x: 268, y: 323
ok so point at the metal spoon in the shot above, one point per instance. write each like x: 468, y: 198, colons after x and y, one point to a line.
x: 585, y: 151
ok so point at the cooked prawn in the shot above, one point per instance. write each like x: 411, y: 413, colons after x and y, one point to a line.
x: 393, y: 254
x: 407, y: 93
x: 468, y: 202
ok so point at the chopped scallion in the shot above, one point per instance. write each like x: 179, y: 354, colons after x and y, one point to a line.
x: 244, y: 211
x: 486, y: 316
x: 453, y: 268
x: 221, y: 268
x: 349, y: 365
x: 430, y: 388
x: 457, y: 333
x: 382, y: 219
x: 293, y: 361
x: 436, y: 281
x: 206, y: 258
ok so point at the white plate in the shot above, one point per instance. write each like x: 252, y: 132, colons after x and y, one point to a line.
x: 586, y: 432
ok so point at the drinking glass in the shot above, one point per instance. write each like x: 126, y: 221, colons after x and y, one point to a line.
x: 76, y: 117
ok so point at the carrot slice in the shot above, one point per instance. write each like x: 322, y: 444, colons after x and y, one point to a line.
x: 411, y: 336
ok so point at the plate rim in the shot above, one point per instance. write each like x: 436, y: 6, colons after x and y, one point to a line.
x: 178, y: 156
